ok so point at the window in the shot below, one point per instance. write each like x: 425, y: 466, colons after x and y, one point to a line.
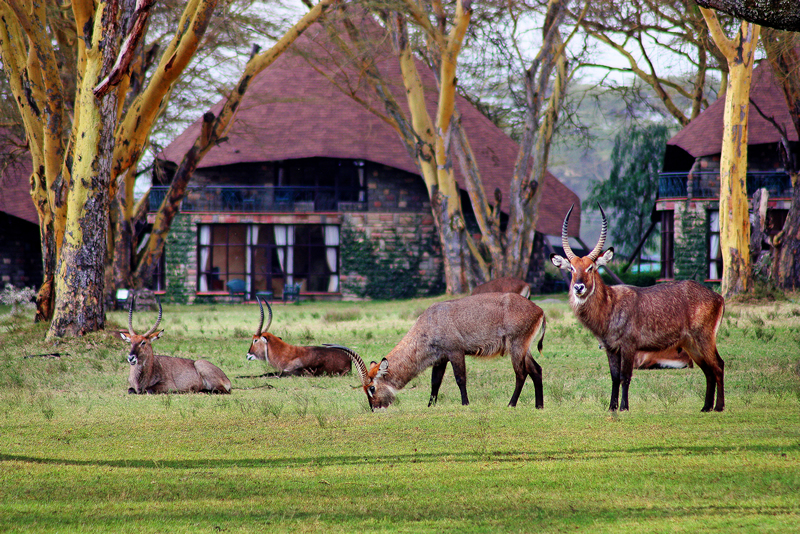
x: 268, y: 256
x: 667, y: 244
x: 714, y: 251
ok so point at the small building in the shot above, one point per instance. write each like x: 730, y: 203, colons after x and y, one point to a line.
x: 20, y: 249
x: 688, y: 197
x: 303, y: 166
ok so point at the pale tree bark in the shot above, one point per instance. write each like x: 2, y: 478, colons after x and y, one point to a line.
x: 733, y: 204
x: 782, y: 54
x: 79, y: 284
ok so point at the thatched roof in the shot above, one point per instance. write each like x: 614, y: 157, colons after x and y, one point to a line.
x: 293, y: 110
x: 703, y: 135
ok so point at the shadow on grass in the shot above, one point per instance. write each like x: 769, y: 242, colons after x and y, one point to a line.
x: 467, y: 456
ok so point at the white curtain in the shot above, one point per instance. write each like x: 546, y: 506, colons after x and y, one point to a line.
x: 289, y: 254
x: 284, y: 239
x: 331, y: 242
x: 252, y: 240
x: 713, y: 245
x: 205, y: 251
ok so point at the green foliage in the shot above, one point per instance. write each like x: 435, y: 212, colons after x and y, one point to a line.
x: 180, y: 243
x: 388, y: 273
x: 630, y: 192
x: 691, y: 254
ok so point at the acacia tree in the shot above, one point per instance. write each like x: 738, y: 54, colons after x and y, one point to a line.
x: 438, y: 34
x: 781, y: 47
x: 79, y: 167
x: 733, y: 205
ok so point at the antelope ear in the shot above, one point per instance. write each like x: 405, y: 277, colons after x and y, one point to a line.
x: 605, y: 257
x: 383, y: 369
x: 560, y: 262
x: 125, y: 336
x: 156, y: 335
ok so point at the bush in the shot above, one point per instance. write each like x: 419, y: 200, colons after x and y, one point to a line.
x: 12, y: 296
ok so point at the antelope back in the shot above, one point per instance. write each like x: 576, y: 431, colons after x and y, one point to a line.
x: 506, y: 284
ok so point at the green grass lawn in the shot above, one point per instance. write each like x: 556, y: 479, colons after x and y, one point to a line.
x: 78, y: 454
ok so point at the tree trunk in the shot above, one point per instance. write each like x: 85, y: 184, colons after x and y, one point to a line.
x: 734, y: 218
x: 79, y: 281
x: 785, y: 60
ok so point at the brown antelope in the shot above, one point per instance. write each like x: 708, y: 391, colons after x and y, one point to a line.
x: 484, y: 326
x: 506, y: 284
x: 154, y: 373
x: 626, y: 320
x: 291, y: 360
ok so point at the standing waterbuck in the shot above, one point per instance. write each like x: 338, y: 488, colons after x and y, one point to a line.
x: 506, y: 284
x: 291, y: 360
x: 484, y: 326
x: 626, y: 320
x: 154, y: 373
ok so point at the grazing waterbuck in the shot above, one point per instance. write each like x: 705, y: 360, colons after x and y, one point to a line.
x: 291, y: 360
x: 627, y: 320
x: 486, y: 325
x: 154, y: 373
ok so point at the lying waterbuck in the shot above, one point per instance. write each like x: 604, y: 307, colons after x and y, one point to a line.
x: 291, y: 360
x: 485, y: 325
x: 626, y: 319
x: 506, y: 284
x: 154, y: 373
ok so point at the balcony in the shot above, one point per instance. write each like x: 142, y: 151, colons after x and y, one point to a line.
x: 260, y: 199
x: 706, y: 184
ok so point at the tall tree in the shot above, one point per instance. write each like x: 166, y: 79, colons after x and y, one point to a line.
x: 428, y: 30
x: 88, y: 108
x: 781, y: 47
x: 632, y: 186
x: 734, y: 217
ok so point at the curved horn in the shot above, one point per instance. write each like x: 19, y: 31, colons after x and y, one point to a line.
x: 261, y: 306
x: 157, y: 320
x: 362, y: 368
x: 269, y: 321
x: 130, y: 317
x: 565, y: 237
x: 598, y: 248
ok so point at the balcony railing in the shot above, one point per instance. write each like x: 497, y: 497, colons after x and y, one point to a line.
x: 706, y: 184
x: 265, y: 199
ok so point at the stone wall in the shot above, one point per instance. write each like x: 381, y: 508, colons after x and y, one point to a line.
x: 690, y: 238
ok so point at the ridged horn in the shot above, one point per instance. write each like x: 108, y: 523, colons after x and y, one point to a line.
x: 130, y: 317
x: 158, y: 321
x: 565, y: 237
x: 362, y: 368
x: 598, y: 248
x: 261, y: 324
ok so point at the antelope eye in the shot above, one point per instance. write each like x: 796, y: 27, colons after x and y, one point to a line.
x: 371, y: 391
x: 589, y: 268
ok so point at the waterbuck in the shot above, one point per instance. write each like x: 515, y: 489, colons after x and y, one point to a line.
x: 484, y: 326
x: 154, y: 373
x: 291, y: 360
x: 506, y: 284
x: 625, y: 320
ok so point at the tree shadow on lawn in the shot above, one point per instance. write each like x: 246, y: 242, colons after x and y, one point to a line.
x: 466, y: 456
